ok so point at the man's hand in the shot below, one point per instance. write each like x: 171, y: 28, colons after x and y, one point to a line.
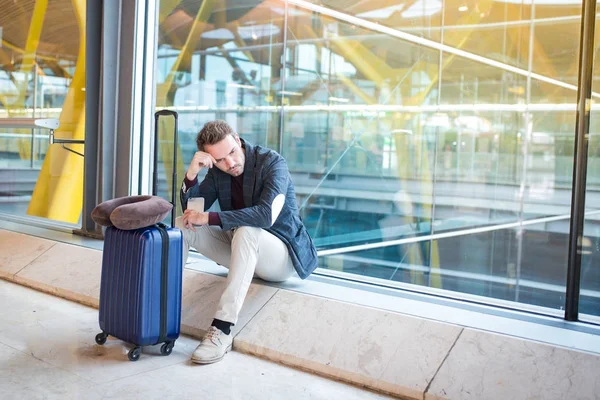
x: 191, y: 218
x: 200, y: 160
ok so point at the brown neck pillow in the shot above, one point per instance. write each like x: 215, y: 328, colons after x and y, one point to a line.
x: 132, y: 212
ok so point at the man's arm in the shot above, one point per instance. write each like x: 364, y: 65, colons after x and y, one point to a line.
x: 272, y: 199
x: 207, y: 189
x: 190, y: 187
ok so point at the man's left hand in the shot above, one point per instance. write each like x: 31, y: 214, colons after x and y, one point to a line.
x: 191, y: 218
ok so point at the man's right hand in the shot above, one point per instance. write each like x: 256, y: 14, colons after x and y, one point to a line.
x: 200, y: 160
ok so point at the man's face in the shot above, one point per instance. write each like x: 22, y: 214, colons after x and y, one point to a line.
x: 229, y: 155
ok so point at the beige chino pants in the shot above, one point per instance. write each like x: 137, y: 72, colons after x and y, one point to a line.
x: 246, y: 252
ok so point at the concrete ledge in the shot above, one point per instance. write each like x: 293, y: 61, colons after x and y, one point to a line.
x: 18, y: 250
x: 72, y: 272
x: 385, y: 351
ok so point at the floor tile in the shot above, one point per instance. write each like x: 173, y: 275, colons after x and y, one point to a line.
x: 238, y: 376
x: 23, y: 305
x: 483, y: 365
x: 25, y: 377
x: 65, y: 338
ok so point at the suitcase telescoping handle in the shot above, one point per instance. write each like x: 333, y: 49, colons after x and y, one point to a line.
x: 157, y: 115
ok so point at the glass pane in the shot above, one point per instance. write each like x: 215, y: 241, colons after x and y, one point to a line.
x: 548, y: 61
x: 389, y: 141
x: 42, y: 75
x: 218, y: 62
x: 589, y: 301
x: 358, y: 159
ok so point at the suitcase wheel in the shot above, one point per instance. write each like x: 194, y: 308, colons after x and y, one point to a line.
x: 134, y: 354
x: 167, y: 348
x: 101, y: 338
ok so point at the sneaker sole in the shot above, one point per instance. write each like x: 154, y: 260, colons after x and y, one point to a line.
x: 198, y: 361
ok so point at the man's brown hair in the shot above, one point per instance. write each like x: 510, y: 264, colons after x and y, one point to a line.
x: 213, y: 132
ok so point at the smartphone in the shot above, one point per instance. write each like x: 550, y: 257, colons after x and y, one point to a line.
x: 196, y: 204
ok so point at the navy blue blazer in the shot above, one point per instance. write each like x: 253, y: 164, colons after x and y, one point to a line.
x: 266, y: 177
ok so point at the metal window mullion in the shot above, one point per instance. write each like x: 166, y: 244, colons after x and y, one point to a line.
x: 126, y: 123
x: 580, y: 154
x: 93, y: 55
x: 110, y: 101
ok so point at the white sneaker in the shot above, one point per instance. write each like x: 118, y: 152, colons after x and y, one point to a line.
x: 213, y: 347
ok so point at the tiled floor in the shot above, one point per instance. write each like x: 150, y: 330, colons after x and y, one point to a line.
x: 47, y: 351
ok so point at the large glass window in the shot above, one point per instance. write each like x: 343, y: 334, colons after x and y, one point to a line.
x: 433, y: 148
x: 42, y: 75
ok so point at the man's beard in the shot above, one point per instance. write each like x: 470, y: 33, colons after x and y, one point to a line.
x: 237, y: 168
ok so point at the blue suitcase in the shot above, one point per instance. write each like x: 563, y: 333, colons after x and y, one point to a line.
x: 140, y: 287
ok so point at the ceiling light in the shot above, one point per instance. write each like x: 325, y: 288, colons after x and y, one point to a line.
x: 257, y: 31
x: 339, y: 99
x: 405, y: 131
x: 241, y: 86
x: 246, y: 32
x: 463, y: 8
x: 218, y: 34
x: 286, y: 93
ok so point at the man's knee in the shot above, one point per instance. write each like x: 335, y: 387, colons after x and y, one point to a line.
x: 179, y: 223
x: 247, y: 232
x: 189, y: 235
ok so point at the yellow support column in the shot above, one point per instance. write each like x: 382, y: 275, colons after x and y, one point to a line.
x: 58, y: 193
x: 371, y: 66
x: 29, y: 54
